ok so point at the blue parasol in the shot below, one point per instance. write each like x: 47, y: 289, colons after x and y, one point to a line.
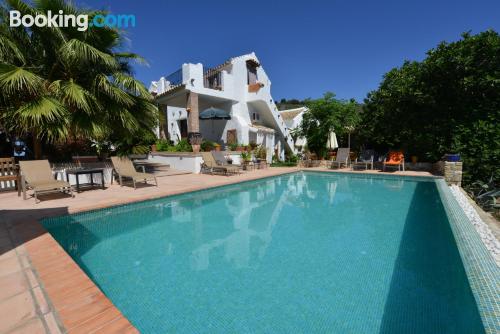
x: 214, y: 113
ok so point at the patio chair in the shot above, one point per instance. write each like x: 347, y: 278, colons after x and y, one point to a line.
x: 38, y: 176
x: 210, y: 165
x: 365, y: 159
x: 9, y: 172
x: 342, y: 158
x: 395, y: 159
x: 125, y: 169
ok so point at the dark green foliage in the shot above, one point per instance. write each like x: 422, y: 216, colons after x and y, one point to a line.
x: 207, y: 146
x: 284, y: 104
x: 162, y: 145
x: 327, y: 114
x: 290, y: 161
x: 448, y: 103
x: 61, y: 84
x: 139, y: 143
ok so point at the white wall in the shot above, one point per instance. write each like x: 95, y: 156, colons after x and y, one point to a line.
x: 187, y: 163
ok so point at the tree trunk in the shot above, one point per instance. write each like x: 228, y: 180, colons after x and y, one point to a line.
x: 37, y: 147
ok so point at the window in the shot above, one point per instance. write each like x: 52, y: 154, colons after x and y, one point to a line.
x: 252, y: 72
x: 255, y: 116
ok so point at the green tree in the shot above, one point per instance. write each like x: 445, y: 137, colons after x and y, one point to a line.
x: 61, y: 83
x: 325, y: 115
x: 447, y: 103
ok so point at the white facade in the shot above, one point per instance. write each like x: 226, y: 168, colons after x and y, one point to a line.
x: 239, y: 86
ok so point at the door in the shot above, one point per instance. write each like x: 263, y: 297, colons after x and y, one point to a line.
x: 183, y: 127
x: 231, y: 137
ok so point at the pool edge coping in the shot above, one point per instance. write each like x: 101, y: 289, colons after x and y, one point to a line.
x: 480, y: 266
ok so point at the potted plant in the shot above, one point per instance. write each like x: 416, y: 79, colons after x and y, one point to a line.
x: 217, y: 147
x: 195, y: 139
x: 245, y: 158
x: 233, y: 146
x: 414, y: 159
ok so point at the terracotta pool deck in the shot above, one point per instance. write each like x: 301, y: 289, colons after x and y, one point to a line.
x: 42, y: 290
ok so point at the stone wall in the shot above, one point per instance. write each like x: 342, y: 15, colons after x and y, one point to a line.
x: 452, y: 171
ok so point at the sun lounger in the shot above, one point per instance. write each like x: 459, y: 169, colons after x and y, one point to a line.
x: 38, y: 176
x: 395, y: 159
x: 221, y: 159
x: 342, y: 158
x: 211, y: 166
x: 125, y: 169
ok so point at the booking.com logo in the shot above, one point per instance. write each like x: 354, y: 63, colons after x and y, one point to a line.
x: 69, y: 20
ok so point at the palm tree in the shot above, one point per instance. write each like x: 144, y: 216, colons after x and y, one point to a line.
x: 60, y: 83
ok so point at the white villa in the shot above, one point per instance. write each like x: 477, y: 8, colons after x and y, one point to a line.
x: 239, y: 87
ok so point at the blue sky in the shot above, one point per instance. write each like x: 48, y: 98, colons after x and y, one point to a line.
x: 306, y: 47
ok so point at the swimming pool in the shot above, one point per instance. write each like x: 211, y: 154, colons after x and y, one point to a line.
x: 305, y: 252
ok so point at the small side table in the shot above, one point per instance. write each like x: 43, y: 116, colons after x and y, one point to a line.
x: 85, y: 171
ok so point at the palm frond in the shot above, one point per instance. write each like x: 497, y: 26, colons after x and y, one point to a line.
x: 17, y: 80
x: 73, y: 95
x: 132, y: 56
x: 103, y: 85
x: 9, y: 51
x: 43, y: 110
x: 132, y: 85
x: 80, y: 53
x: 22, y: 7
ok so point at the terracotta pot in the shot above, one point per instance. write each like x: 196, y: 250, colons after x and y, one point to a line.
x: 196, y: 148
x: 240, y: 149
x: 153, y: 148
x: 217, y: 148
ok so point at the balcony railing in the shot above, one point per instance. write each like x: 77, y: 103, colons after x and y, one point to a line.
x: 212, y: 79
x: 175, y: 78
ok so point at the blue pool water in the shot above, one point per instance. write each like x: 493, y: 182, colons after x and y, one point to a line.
x: 301, y: 253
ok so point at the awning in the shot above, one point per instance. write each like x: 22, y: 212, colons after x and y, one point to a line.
x: 261, y: 128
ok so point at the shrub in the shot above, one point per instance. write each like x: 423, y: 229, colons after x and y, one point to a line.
x: 447, y: 103
x: 183, y: 146
x: 162, y: 145
x: 208, y: 145
x: 246, y: 156
x: 233, y: 146
x: 260, y: 152
x: 292, y: 158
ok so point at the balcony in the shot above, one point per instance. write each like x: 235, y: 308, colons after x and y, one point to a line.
x: 175, y: 78
x: 212, y: 79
